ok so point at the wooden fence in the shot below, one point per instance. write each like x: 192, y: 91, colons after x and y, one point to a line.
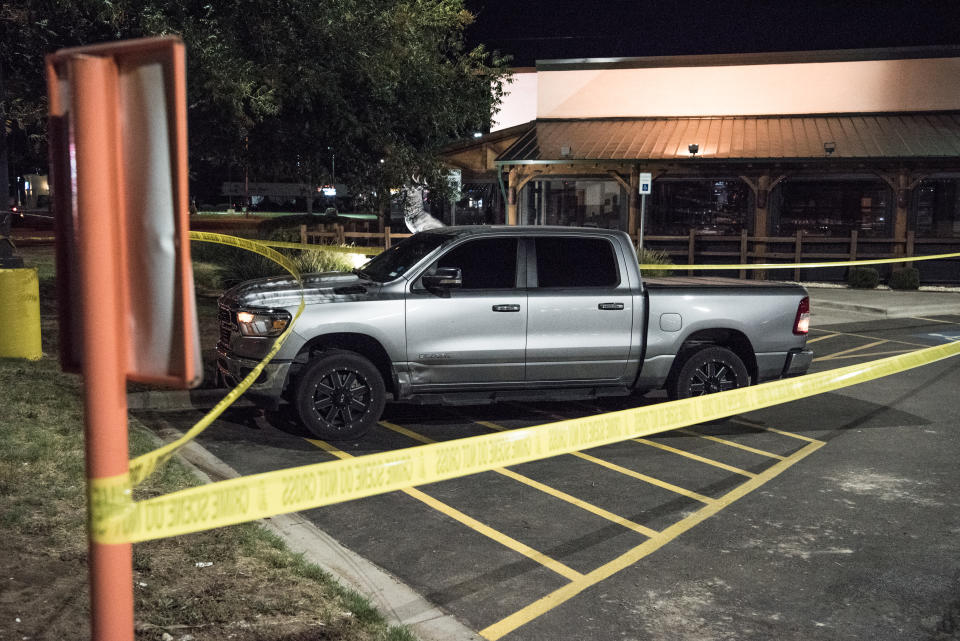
x: 744, y: 249
x: 697, y: 248
x: 349, y: 234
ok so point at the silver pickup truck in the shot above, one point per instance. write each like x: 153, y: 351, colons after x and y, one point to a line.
x: 465, y: 315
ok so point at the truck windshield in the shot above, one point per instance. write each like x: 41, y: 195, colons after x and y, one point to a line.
x: 396, y: 261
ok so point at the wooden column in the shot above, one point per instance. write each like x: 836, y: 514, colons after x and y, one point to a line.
x: 632, y: 187
x: 798, y: 253
x: 744, y: 249
x: 901, y: 185
x: 512, y: 196
x: 761, y: 191
x: 902, y: 193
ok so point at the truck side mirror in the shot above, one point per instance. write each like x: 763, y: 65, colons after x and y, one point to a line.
x: 443, y: 278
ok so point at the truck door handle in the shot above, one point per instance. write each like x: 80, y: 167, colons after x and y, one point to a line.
x: 506, y: 308
x: 610, y: 306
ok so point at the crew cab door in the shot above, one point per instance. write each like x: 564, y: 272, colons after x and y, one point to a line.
x: 475, y: 333
x: 580, y: 321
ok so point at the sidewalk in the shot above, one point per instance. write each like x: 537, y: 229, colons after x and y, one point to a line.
x: 858, y: 304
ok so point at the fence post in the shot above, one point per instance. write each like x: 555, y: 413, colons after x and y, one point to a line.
x: 386, y: 237
x: 691, y: 245
x: 798, y: 253
x: 743, y: 252
x: 303, y: 234
x: 341, y: 238
x: 853, y: 244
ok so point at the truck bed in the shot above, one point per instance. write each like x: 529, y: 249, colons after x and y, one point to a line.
x: 711, y: 281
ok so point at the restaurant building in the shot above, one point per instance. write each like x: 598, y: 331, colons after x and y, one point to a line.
x: 754, y: 157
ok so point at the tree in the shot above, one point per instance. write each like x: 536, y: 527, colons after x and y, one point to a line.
x: 281, y: 86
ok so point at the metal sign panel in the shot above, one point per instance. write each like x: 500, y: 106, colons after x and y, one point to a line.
x: 118, y: 155
x: 646, y: 182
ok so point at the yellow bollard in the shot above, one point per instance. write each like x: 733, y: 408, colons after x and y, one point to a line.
x: 20, y: 314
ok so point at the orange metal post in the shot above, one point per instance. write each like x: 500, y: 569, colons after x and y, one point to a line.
x: 104, y: 339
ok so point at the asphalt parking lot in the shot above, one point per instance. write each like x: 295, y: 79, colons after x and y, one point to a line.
x: 824, y: 518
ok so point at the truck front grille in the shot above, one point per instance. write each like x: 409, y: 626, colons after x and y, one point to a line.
x: 227, y: 326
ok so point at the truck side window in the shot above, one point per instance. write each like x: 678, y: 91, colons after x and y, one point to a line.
x: 489, y: 263
x: 576, y: 262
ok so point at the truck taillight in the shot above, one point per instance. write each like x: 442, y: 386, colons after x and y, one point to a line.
x: 802, y: 323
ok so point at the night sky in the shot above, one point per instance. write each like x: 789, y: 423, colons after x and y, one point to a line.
x: 532, y: 30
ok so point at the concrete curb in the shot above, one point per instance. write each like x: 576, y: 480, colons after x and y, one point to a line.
x: 399, y: 603
x: 180, y: 399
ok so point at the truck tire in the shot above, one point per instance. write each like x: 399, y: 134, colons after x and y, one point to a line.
x: 339, y: 395
x: 706, y: 371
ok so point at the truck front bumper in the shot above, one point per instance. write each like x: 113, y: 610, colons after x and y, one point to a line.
x: 798, y: 362
x: 269, y: 384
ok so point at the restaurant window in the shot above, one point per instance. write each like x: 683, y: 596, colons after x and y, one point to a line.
x: 574, y: 203
x: 834, y: 208
x: 936, y: 204
x: 706, y: 206
x: 481, y: 203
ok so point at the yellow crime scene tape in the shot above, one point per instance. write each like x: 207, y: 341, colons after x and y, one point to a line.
x: 848, y: 263
x: 10, y: 239
x: 115, y: 518
x: 373, y: 251
x: 143, y: 466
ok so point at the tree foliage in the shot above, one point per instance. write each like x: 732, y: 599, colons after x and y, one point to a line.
x: 282, y: 87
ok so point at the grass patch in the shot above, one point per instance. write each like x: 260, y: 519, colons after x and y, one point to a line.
x: 247, y: 585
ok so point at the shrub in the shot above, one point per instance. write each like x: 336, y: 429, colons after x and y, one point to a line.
x: 323, y: 261
x: 906, y: 278
x: 863, y: 277
x: 230, y: 266
x: 654, y: 257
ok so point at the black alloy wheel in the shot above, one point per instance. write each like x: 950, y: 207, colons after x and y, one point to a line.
x: 707, y: 371
x: 340, y: 396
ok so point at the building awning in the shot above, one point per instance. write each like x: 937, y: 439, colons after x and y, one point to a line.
x: 926, y: 135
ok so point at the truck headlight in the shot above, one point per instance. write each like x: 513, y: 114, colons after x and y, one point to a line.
x: 262, y: 322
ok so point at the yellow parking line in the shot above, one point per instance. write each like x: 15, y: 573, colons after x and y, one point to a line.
x: 794, y: 435
x: 760, y: 426
x: 546, y: 489
x: 647, y: 479
x: 820, y: 338
x: 868, y: 355
x: 622, y: 470
x: 495, y: 535
x: 695, y: 457
x: 410, y: 433
x: 599, y: 511
x: 731, y: 444
x: 850, y: 351
x: 567, y: 592
x: 936, y: 320
x: 873, y: 338
x: 472, y: 523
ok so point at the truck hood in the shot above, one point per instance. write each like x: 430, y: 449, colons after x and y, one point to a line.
x: 284, y: 291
